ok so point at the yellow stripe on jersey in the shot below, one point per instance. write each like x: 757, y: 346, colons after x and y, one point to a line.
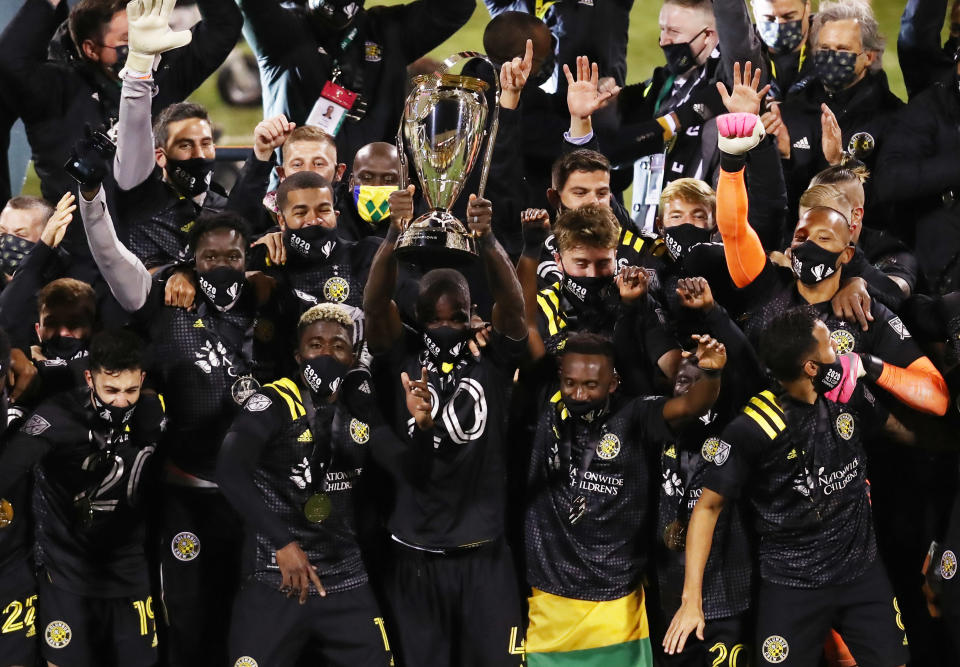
x: 755, y: 416
x: 549, y: 304
x: 627, y: 237
x: 771, y: 399
x: 770, y: 412
x: 552, y: 329
x: 163, y: 403
x: 555, y: 398
x: 290, y: 393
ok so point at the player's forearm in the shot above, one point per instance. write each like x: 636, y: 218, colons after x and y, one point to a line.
x: 703, y: 521
x: 508, y: 313
x: 919, y: 386
x: 741, y: 245
x: 696, y: 402
x: 381, y: 319
x: 134, y: 160
x: 129, y: 280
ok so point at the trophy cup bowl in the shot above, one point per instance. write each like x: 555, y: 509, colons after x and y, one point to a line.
x: 444, y: 124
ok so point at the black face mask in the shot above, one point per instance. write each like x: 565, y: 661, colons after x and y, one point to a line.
x: 312, y: 244
x: 586, y: 410
x: 122, y: 53
x: 221, y: 286
x: 326, y: 15
x: 828, y: 376
x: 813, y: 264
x: 110, y: 413
x: 12, y: 251
x: 680, y: 238
x: 190, y: 176
x: 64, y: 347
x: 680, y: 57
x: 445, y: 345
x: 588, y: 293
x: 781, y: 37
x: 835, y: 69
x: 323, y: 375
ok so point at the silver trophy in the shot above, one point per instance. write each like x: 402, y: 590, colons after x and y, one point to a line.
x: 444, y: 123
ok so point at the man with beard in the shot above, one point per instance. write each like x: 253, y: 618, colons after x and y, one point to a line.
x: 207, y: 364
x: 93, y: 447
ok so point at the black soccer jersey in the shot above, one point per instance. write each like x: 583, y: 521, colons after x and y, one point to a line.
x: 89, y: 487
x: 205, y: 362
x: 803, y: 469
x: 451, y: 481
x: 589, y: 498
x: 729, y: 571
x: 295, y: 465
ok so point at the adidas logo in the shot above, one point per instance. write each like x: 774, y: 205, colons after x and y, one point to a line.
x: 306, y: 436
x: 198, y: 324
x: 802, y: 143
x: 792, y: 454
x: 671, y: 452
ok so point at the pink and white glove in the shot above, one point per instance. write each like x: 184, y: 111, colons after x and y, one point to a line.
x: 739, y: 132
x: 852, y: 371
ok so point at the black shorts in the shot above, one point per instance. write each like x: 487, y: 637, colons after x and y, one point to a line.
x: 461, y: 609
x: 200, y: 550
x: 793, y: 623
x: 725, y: 644
x: 18, y: 609
x: 271, y: 630
x: 76, y: 631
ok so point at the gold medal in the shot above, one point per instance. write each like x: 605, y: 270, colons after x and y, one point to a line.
x: 6, y: 513
x: 244, y: 387
x: 675, y: 536
x: 318, y: 507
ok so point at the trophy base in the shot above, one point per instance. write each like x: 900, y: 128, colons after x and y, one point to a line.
x: 436, y: 239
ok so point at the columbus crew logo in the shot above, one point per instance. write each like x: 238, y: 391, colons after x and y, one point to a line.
x: 245, y: 661
x: 948, y: 565
x: 844, y: 340
x: 608, y: 447
x: 845, y: 425
x: 336, y: 289
x: 185, y: 546
x: 359, y: 431
x: 6, y: 513
x: 58, y: 634
x: 775, y: 649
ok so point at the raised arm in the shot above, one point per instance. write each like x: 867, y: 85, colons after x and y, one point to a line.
x: 128, y: 278
x: 711, y: 357
x: 381, y: 316
x: 508, y: 316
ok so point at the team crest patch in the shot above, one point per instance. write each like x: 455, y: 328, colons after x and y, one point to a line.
x: 359, y: 431
x: 715, y: 450
x: 775, y: 649
x: 185, y: 546
x: 36, y: 425
x: 58, y: 634
x: 608, y: 447
x: 948, y: 565
x: 844, y: 340
x: 372, y: 53
x: 898, y: 327
x: 336, y: 289
x: 245, y: 661
x: 257, y: 403
x: 845, y: 425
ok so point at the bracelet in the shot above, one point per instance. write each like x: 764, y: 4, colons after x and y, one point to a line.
x: 711, y: 372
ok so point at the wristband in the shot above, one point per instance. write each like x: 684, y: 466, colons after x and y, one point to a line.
x: 711, y: 372
x: 872, y: 366
x: 732, y: 163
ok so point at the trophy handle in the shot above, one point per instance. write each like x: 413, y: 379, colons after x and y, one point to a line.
x: 491, y: 131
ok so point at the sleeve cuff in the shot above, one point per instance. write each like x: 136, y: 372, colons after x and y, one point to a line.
x: 578, y: 141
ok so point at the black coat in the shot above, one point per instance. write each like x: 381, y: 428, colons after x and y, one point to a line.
x: 295, y: 62
x: 57, y: 97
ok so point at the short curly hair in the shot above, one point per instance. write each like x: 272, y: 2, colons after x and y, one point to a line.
x: 593, y: 226
x: 326, y: 312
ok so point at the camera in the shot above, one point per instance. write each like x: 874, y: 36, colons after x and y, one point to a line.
x: 90, y: 159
